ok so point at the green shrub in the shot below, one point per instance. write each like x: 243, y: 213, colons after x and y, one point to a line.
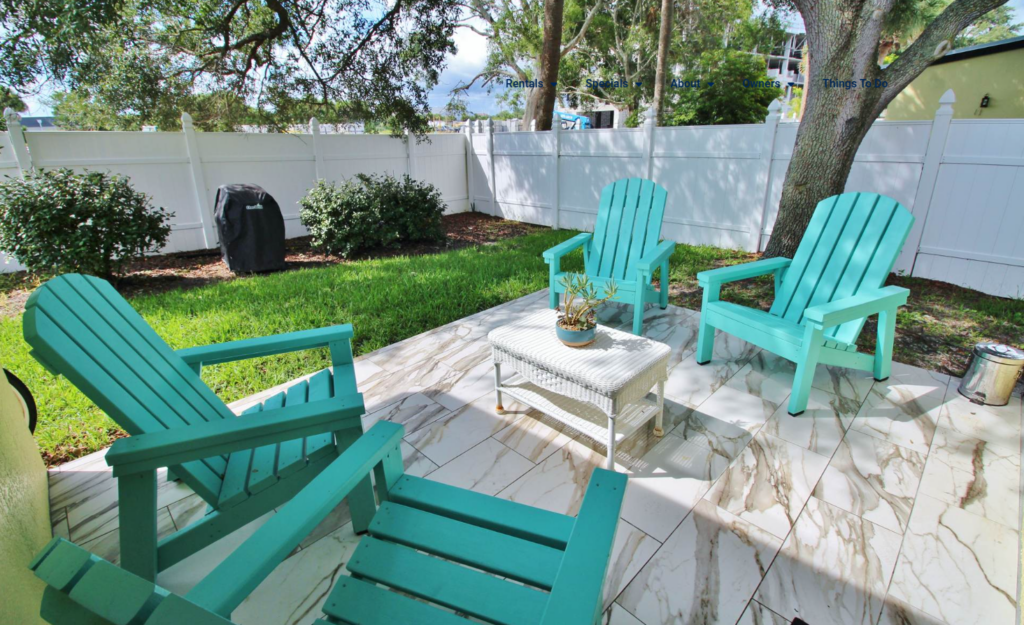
x: 59, y: 221
x: 372, y: 212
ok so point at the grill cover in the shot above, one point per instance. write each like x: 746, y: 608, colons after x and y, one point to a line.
x: 251, y: 228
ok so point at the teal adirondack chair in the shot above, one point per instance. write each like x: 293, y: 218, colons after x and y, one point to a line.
x: 529, y: 566
x: 624, y: 247
x: 823, y: 295
x: 81, y: 328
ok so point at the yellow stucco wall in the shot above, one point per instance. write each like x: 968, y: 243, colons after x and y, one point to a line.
x: 1000, y: 75
x: 24, y: 513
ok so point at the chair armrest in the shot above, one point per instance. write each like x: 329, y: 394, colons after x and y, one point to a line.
x: 265, y: 345
x: 153, y: 450
x: 565, y: 247
x: 657, y: 256
x: 857, y: 306
x: 576, y: 596
x: 742, y: 272
x: 240, y: 573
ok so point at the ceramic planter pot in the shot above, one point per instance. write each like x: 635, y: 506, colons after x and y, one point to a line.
x: 575, y: 338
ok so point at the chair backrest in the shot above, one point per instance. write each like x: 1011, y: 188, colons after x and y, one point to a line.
x: 81, y: 328
x: 850, y: 245
x: 628, y: 226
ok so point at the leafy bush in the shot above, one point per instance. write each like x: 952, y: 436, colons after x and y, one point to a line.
x: 59, y: 221
x: 372, y: 212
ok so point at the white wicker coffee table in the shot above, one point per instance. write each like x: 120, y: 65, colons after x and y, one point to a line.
x: 599, y: 390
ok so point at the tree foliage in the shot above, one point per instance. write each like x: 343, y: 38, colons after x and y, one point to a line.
x: 9, y: 100
x: 740, y: 93
x: 147, y: 59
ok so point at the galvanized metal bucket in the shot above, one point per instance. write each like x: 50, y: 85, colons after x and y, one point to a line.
x: 992, y: 374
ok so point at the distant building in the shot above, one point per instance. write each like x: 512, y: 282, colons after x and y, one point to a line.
x: 784, y: 63
x: 38, y: 123
x: 988, y: 80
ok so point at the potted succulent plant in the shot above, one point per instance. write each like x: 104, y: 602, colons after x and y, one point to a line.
x: 577, y: 320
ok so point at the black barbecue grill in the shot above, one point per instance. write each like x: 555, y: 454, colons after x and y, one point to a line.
x: 251, y: 229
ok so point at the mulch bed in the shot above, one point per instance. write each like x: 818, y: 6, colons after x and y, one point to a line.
x: 185, y: 270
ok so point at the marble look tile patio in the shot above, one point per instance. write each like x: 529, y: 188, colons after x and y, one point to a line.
x: 559, y: 482
x: 975, y: 475
x: 820, y: 427
x: 704, y: 573
x: 957, y: 566
x: 670, y: 479
x: 873, y: 479
x: 459, y: 431
x: 414, y: 412
x: 998, y: 425
x: 757, y: 614
x: 487, y: 468
x: 904, y: 410
x: 893, y: 502
x: 769, y: 483
x: 833, y: 568
x: 294, y: 593
x: 536, y: 436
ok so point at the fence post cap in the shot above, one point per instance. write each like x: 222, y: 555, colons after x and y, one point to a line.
x: 948, y: 98
x: 10, y: 114
x: 186, y: 119
x: 314, y: 123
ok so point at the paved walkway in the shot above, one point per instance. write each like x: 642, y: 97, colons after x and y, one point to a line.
x: 894, y: 502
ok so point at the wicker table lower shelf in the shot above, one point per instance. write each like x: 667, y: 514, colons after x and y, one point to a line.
x: 580, y: 415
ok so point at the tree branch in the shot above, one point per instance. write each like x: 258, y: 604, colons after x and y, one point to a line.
x: 933, y: 44
x: 387, y: 17
x: 575, y: 41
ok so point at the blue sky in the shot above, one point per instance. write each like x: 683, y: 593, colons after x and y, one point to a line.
x: 462, y: 66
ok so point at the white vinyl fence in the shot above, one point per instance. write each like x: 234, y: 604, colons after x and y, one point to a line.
x: 963, y: 180
x: 182, y: 170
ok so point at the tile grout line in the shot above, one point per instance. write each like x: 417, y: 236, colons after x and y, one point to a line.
x: 804, y: 506
x: 906, y: 530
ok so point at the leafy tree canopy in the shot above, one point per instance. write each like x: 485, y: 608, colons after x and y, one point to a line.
x: 9, y: 100
x: 147, y: 59
x: 740, y: 93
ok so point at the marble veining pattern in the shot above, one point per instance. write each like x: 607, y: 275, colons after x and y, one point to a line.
x: 820, y: 427
x: 704, y: 573
x: 873, y: 479
x: 904, y: 409
x: 957, y: 566
x: 975, y: 475
x: 833, y: 568
x: 708, y: 507
x: 769, y: 483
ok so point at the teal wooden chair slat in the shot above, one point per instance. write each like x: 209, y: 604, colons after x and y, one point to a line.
x: 623, y: 248
x: 823, y: 295
x: 81, y: 328
x: 525, y: 566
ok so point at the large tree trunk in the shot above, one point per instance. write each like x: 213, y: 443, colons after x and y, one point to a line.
x: 530, y: 106
x: 550, y: 55
x: 843, y: 39
x: 664, y: 41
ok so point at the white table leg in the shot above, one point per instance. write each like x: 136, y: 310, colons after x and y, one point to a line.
x: 611, y: 443
x: 658, y: 431
x: 500, y: 409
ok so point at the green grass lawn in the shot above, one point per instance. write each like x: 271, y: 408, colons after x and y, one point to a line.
x: 386, y: 300
x: 390, y: 299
